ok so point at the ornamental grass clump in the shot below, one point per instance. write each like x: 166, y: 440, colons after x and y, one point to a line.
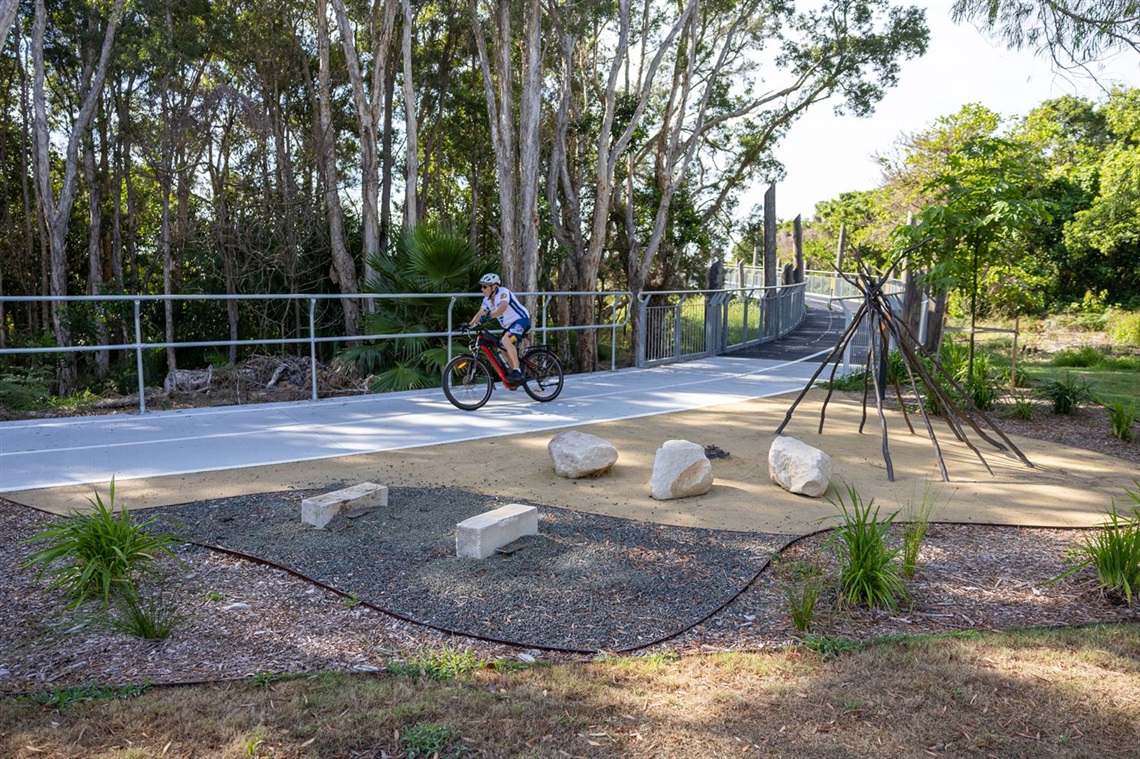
x: 1122, y: 416
x: 868, y: 574
x: 1066, y: 394
x: 97, y: 554
x: 919, y: 512
x: 1113, y: 551
x: 804, y: 582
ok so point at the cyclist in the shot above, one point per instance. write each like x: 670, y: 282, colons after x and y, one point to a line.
x: 500, y: 303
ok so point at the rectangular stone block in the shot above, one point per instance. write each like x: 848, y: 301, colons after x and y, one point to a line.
x: 479, y: 536
x: 319, y: 510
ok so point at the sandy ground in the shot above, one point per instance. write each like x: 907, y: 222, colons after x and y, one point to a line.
x: 1065, y: 487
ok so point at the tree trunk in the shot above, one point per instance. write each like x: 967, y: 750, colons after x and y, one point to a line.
x: 95, y: 254
x: 57, y: 212
x: 386, y: 158
x: 369, y: 114
x: 411, y: 125
x: 498, y: 89
x: 343, y: 270
x: 8, y: 10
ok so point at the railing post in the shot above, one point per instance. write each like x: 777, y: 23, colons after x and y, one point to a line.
x: 450, y: 324
x: 139, y: 357
x: 313, y: 345
x: 641, y: 309
x: 678, y: 314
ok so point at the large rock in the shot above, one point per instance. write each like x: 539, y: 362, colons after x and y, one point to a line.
x: 680, y: 470
x: 577, y: 454
x: 799, y: 468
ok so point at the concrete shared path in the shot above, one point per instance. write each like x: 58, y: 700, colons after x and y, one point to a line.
x: 50, y: 453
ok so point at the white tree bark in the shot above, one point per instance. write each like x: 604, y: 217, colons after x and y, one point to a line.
x: 8, y: 10
x: 343, y: 270
x: 368, y: 98
x: 411, y: 124
x: 514, y: 133
x: 57, y: 210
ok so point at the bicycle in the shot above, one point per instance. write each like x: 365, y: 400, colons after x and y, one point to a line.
x: 469, y: 378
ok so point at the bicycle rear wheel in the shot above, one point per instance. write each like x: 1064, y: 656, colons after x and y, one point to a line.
x: 543, y: 375
x: 466, y: 382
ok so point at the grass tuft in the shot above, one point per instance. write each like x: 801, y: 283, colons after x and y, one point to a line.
x: 1066, y: 394
x: 151, y: 618
x: 918, y: 515
x: 1122, y: 416
x: 868, y: 574
x: 99, y: 553
x: 1114, y: 551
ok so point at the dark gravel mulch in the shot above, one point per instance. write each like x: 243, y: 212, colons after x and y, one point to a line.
x: 586, y: 582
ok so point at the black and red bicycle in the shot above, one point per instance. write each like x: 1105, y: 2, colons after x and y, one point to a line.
x: 469, y: 378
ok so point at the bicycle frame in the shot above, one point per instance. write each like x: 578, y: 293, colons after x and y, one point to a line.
x: 489, y: 347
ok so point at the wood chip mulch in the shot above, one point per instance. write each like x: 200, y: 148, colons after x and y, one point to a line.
x: 238, y: 618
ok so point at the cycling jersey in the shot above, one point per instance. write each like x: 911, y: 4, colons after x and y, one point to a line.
x: 515, y: 310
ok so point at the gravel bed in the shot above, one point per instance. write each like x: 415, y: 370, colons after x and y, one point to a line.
x: 585, y: 583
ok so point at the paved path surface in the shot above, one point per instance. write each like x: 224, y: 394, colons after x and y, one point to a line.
x: 51, y: 453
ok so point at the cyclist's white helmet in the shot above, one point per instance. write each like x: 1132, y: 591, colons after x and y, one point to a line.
x: 490, y: 279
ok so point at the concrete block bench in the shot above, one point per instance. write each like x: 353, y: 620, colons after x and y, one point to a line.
x: 319, y: 510
x: 481, y: 535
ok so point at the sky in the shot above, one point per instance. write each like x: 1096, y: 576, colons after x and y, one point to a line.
x: 826, y: 155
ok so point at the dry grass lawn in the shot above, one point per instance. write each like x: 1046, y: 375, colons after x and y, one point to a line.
x: 1065, y: 692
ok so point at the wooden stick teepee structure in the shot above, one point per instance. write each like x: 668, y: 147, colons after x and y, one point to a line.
x: 875, y: 310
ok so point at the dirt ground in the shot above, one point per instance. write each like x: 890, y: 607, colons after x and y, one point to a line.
x: 1065, y: 486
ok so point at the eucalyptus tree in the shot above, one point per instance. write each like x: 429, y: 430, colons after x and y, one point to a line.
x: 688, y: 103
x: 88, y: 88
x: 376, y: 34
x: 343, y: 268
x: 1071, y: 135
x: 513, y: 90
x: 1072, y: 33
x: 8, y: 10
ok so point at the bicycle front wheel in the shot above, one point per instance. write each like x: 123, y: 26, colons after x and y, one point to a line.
x: 543, y: 375
x: 466, y: 382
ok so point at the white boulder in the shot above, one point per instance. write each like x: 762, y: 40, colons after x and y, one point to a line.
x: 578, y: 454
x: 798, y: 467
x: 680, y: 470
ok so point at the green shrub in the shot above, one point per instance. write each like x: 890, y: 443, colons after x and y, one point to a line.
x: 954, y: 358
x: 438, y: 663
x: 1123, y: 328
x: 1079, y: 358
x: 1114, y: 551
x: 1066, y: 394
x: 24, y: 388
x: 1122, y: 415
x: 850, y: 382
x: 868, y: 573
x: 97, y: 553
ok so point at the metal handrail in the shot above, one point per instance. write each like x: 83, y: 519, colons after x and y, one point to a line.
x: 312, y: 339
